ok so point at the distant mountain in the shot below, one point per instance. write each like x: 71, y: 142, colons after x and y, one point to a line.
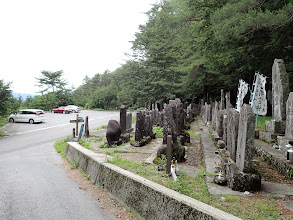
x: 22, y: 95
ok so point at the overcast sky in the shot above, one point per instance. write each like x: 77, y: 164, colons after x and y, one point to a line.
x: 80, y: 37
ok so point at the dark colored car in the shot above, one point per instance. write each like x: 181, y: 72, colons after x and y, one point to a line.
x: 63, y: 110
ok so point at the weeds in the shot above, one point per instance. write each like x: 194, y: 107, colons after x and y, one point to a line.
x: 60, y: 146
x: 86, y: 144
x: 133, y: 119
x: 158, y: 131
x: 102, y: 127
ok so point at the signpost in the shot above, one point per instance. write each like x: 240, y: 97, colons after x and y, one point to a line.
x: 242, y: 91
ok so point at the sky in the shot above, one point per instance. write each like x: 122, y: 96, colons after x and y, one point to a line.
x: 79, y: 37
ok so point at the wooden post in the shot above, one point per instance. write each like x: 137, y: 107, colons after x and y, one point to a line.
x: 169, y: 154
x: 76, y: 130
x: 87, y: 126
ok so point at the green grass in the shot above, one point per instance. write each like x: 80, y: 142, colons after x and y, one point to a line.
x: 260, y: 122
x: 86, y: 144
x: 60, y: 146
x: 192, y: 134
x: 245, y: 207
x: 102, y: 127
x: 194, y: 187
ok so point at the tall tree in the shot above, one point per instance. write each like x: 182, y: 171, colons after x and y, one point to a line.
x: 51, y: 80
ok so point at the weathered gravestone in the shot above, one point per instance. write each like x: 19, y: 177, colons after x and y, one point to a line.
x: 113, y: 132
x: 232, y: 132
x: 289, y: 118
x: 280, y: 91
x: 143, y: 129
x: 215, y: 115
x: 239, y: 174
x: 129, y: 123
x: 222, y: 102
x: 228, y: 101
x: 208, y: 112
x: 189, y: 115
x: 225, y: 124
x: 219, y: 123
x: 174, y: 126
x: 245, y: 141
x: 123, y: 119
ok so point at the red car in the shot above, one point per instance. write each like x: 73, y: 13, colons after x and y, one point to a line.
x: 61, y: 110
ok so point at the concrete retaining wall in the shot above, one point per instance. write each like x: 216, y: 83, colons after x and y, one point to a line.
x: 146, y: 199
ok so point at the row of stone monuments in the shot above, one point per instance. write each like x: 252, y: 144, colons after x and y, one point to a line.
x: 174, y: 118
x: 235, y: 132
x: 235, y: 137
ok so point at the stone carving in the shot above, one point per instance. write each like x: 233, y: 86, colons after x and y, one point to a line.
x: 123, y: 119
x: 232, y: 132
x: 280, y: 89
x: 289, y: 118
x: 113, y: 132
x: 245, y: 142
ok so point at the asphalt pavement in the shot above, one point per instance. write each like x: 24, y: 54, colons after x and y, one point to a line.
x: 33, y: 185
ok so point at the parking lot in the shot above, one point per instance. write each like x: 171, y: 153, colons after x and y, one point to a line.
x: 96, y: 119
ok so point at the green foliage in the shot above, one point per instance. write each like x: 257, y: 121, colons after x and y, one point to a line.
x: 8, y: 103
x: 161, y: 161
x: 60, y: 146
x: 51, y: 80
x: 158, y: 131
x: 86, y: 144
x: 102, y: 127
x: 188, y: 49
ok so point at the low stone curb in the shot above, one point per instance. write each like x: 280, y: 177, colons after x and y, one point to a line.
x: 146, y: 199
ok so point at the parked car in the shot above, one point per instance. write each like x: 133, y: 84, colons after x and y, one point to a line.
x: 63, y: 110
x: 73, y: 108
x: 28, y: 115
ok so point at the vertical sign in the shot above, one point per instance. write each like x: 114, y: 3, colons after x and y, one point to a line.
x: 242, y: 91
x: 258, y: 100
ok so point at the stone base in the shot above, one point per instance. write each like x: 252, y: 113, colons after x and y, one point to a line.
x: 125, y: 137
x: 184, y: 138
x: 216, y: 138
x: 279, y: 162
x: 283, y: 141
x: 142, y: 142
x: 129, y: 130
x: 276, y: 127
x: 178, y: 153
x: 239, y: 181
x: 267, y: 136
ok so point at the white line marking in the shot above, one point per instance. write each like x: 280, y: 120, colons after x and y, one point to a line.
x: 41, y: 129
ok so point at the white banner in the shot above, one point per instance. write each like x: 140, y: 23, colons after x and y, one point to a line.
x: 258, y: 100
x: 242, y: 91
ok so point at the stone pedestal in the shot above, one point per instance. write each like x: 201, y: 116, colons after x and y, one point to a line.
x: 275, y: 127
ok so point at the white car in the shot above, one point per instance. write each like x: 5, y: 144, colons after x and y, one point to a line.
x: 28, y: 115
x: 73, y: 108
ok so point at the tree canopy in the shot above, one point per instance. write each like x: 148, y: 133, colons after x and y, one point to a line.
x: 188, y: 49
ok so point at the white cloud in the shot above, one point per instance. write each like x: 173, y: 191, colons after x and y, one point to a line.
x: 79, y: 37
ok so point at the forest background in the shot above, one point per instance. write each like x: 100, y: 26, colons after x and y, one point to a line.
x: 188, y: 49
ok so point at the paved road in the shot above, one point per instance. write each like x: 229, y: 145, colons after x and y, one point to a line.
x: 33, y: 185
